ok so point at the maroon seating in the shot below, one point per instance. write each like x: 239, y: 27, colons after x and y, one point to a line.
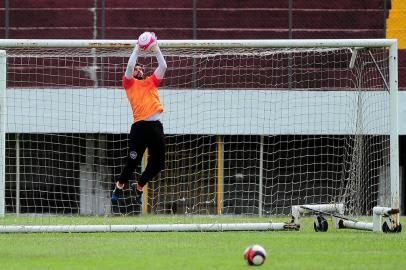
x: 48, y: 4
x: 150, y: 4
x: 51, y: 18
x: 231, y: 19
x: 297, y: 4
x: 402, y: 69
x: 215, y: 19
x: 271, y: 18
x: 342, y: 4
x: 52, y: 32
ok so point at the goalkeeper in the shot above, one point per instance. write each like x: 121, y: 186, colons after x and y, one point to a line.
x: 147, y: 129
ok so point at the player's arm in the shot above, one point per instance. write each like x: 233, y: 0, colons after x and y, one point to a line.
x: 131, y: 63
x: 160, y: 70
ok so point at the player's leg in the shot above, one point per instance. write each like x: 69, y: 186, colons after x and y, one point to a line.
x: 156, y: 159
x: 137, y: 146
x: 156, y: 150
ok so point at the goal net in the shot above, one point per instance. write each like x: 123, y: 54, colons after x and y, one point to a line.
x: 252, y: 128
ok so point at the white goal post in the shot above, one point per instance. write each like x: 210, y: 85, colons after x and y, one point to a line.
x: 253, y: 127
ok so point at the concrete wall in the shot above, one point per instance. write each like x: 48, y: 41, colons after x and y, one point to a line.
x: 98, y: 110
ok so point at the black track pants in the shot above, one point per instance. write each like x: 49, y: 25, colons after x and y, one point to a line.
x: 145, y: 134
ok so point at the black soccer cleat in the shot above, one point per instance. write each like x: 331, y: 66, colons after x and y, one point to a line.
x: 138, y: 196
x: 116, y: 194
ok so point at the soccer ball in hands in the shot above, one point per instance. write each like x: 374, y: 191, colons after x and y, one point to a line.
x: 147, y: 42
x: 255, y: 255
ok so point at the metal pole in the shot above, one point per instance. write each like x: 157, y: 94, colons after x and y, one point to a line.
x: 261, y: 174
x: 18, y: 181
x: 3, y: 119
x: 290, y: 15
x: 220, y: 174
x: 103, y: 34
x: 6, y: 19
x: 201, y: 43
x: 194, y: 19
x: 394, y: 134
x: 145, y: 194
x: 92, y: 70
x: 194, y: 35
x: 385, y: 10
x: 103, y: 19
x: 290, y: 60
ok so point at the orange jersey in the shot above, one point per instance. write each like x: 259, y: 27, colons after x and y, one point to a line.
x: 143, y: 96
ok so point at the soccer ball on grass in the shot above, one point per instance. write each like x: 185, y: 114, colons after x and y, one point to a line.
x: 255, y: 255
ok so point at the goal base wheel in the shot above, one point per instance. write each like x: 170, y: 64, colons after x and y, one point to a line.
x: 320, y: 224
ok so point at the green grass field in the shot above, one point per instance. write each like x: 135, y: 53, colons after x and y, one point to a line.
x: 304, y: 249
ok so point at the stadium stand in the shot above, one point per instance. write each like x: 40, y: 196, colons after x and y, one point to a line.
x: 232, y: 19
x: 214, y: 19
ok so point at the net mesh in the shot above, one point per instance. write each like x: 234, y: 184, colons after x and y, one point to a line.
x: 249, y: 132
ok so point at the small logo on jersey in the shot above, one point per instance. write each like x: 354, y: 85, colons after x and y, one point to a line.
x: 133, y: 155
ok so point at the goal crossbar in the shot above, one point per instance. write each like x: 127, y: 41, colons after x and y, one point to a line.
x: 226, y: 43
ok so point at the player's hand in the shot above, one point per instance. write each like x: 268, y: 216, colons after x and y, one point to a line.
x: 154, y: 47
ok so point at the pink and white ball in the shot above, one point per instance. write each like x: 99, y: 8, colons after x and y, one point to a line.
x: 255, y: 255
x: 147, y: 41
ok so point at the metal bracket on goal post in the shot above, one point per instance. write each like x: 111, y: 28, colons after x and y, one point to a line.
x: 336, y: 211
x: 319, y: 210
x: 380, y: 214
